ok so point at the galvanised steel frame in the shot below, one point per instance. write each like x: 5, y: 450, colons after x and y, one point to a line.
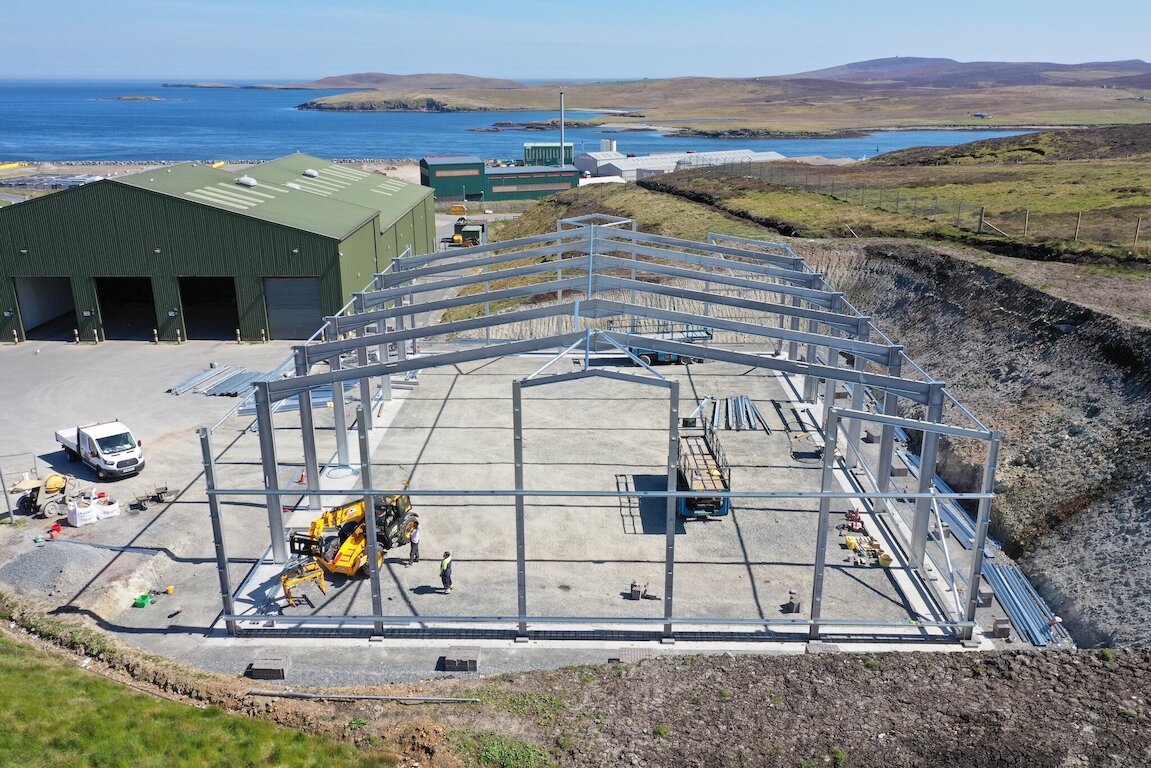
x: 589, y: 257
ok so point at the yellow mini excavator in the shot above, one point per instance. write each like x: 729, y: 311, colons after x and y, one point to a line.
x: 337, y: 541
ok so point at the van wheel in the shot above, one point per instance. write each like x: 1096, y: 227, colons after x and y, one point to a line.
x: 101, y: 474
x: 72, y: 455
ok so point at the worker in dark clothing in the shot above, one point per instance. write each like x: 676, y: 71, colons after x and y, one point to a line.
x: 446, y: 572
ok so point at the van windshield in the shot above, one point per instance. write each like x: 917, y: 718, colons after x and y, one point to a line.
x: 116, y: 443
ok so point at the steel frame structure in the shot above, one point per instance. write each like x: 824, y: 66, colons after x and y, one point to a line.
x: 589, y: 257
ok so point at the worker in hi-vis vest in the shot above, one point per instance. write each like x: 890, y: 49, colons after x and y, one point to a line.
x: 446, y: 572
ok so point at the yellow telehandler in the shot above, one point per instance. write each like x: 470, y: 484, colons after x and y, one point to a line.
x: 337, y: 541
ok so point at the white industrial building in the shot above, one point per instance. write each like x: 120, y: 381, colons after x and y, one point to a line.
x: 633, y: 168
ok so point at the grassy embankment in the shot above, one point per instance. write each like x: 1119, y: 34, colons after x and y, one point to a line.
x: 1112, y: 188
x: 1042, y: 200
x: 52, y: 714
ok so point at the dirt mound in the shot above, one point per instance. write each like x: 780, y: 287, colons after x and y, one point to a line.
x: 1022, y: 709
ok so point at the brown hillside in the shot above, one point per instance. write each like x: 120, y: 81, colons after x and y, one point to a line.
x: 420, y: 81
x: 1114, y: 142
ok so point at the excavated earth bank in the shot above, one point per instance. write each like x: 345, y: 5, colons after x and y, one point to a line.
x: 1068, y: 386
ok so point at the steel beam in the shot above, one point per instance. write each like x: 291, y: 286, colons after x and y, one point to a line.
x: 459, y: 254
x: 408, y: 289
x: 786, y: 258
x: 845, y: 323
x: 327, y: 349
x: 782, y: 279
x: 675, y: 242
x: 943, y: 429
x: 392, y: 280
x: 911, y: 389
x: 352, y: 322
x: 600, y: 308
x: 284, y: 388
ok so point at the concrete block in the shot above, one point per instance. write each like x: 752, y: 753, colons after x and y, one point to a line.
x: 984, y: 595
x: 870, y: 436
x: 269, y: 668
x: 461, y: 659
x: 1001, y: 628
x: 818, y: 646
x: 899, y: 471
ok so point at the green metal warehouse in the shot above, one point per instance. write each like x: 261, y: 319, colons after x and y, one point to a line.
x: 454, y: 176
x: 193, y: 251
x: 463, y: 177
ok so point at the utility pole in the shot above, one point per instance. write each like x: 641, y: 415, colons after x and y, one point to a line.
x: 563, y: 155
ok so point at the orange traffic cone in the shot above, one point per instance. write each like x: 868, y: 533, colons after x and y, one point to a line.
x: 303, y: 478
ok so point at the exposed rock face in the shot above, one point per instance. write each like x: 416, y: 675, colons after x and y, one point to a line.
x: 1068, y: 386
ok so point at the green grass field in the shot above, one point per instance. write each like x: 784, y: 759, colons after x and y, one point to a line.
x: 53, y: 715
x: 1029, y: 203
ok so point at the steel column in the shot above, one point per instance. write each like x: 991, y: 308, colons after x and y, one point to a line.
x: 928, y: 458
x: 217, y: 529
x: 855, y: 426
x: 887, y: 432
x: 339, y: 415
x: 271, y: 473
x: 670, y: 510
x: 385, y: 358
x: 521, y: 545
x: 370, y: 517
x: 307, y: 428
x: 981, y: 522
x: 824, y: 529
x: 362, y: 361
x: 793, y: 346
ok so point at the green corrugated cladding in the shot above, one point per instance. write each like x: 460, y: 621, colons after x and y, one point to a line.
x: 495, y: 180
x: 545, y: 153
x: 106, y: 229
x: 452, y: 185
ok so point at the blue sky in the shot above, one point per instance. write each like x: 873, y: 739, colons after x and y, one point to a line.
x: 308, y: 39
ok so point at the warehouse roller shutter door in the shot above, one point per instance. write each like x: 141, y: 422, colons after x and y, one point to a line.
x: 294, y: 309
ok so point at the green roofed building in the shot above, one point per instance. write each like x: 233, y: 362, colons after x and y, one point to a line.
x: 463, y: 177
x: 193, y: 251
x: 458, y: 177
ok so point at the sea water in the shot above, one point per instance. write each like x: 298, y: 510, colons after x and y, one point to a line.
x: 89, y: 120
